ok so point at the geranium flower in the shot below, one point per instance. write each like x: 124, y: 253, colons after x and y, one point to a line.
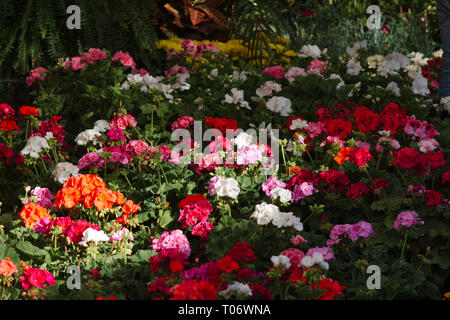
x: 31, y: 213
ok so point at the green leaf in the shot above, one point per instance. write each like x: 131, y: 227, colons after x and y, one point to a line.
x: 7, y: 252
x: 165, y: 218
x: 142, y: 255
x: 29, y: 249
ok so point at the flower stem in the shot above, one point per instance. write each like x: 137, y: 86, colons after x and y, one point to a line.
x: 314, y: 164
x: 404, y: 245
x: 381, y: 155
x: 308, y: 217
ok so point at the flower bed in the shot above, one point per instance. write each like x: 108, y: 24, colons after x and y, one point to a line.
x: 218, y: 180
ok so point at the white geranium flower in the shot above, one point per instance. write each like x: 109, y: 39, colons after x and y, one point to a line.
x: 92, y: 235
x: 418, y: 58
x: 420, y: 86
x: 243, y: 139
x: 35, y: 145
x: 445, y: 101
x: 166, y: 89
x: 237, y: 97
x: 353, y: 51
x: 438, y: 53
x: 280, y: 105
x: 298, y: 124
x: 353, y: 67
x: 49, y: 135
x: 101, y: 125
x: 355, y: 87
x: 297, y: 224
x: 228, y: 187
x: 236, y: 289
x: 63, y: 171
x: 287, y: 219
x: 267, y: 88
x: 284, y: 195
x: 214, y: 72
x: 307, y: 261
x: 388, y: 68
x: 316, y: 258
x: 280, y: 260
x: 336, y: 76
x: 283, y: 219
x: 242, y: 76
x: 181, y: 82
x: 87, y: 136
x: 374, y: 61
x: 308, y: 50
x: 393, y: 87
x: 264, y: 213
x: 385, y: 133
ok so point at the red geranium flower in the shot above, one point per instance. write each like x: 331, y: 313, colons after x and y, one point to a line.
x: 227, y: 265
x: 434, y: 198
x: 29, y: 111
x: 357, y: 190
x: 8, y: 124
x: 241, y: 252
x: 194, y: 290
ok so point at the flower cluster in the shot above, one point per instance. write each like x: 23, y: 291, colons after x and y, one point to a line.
x: 406, y: 219
x: 36, y: 278
x: 194, y: 211
x: 355, y: 231
x: 268, y: 213
x: 91, y: 191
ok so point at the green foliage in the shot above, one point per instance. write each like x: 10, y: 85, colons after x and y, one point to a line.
x: 34, y: 32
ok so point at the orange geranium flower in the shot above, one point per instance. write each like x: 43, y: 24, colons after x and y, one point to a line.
x: 130, y: 207
x: 7, y: 267
x: 104, y: 198
x: 343, y: 155
x: 120, y: 199
x: 67, y: 197
x: 32, y: 213
x: 24, y: 266
x: 123, y: 219
x: 85, y: 183
x: 295, y: 169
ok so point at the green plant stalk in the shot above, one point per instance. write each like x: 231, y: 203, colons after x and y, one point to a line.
x: 26, y: 132
x: 306, y: 220
x: 126, y: 177
x: 151, y: 130
x: 404, y: 245
x: 406, y: 184
x: 284, y: 157
x: 164, y: 174
x: 379, y: 159
x: 54, y: 242
x: 35, y: 170
x: 314, y: 164
x: 45, y: 167
x: 55, y: 154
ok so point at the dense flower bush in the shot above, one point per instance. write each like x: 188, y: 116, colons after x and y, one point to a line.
x: 317, y: 170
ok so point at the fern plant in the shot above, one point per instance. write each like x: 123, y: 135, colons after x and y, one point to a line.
x: 34, y: 32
